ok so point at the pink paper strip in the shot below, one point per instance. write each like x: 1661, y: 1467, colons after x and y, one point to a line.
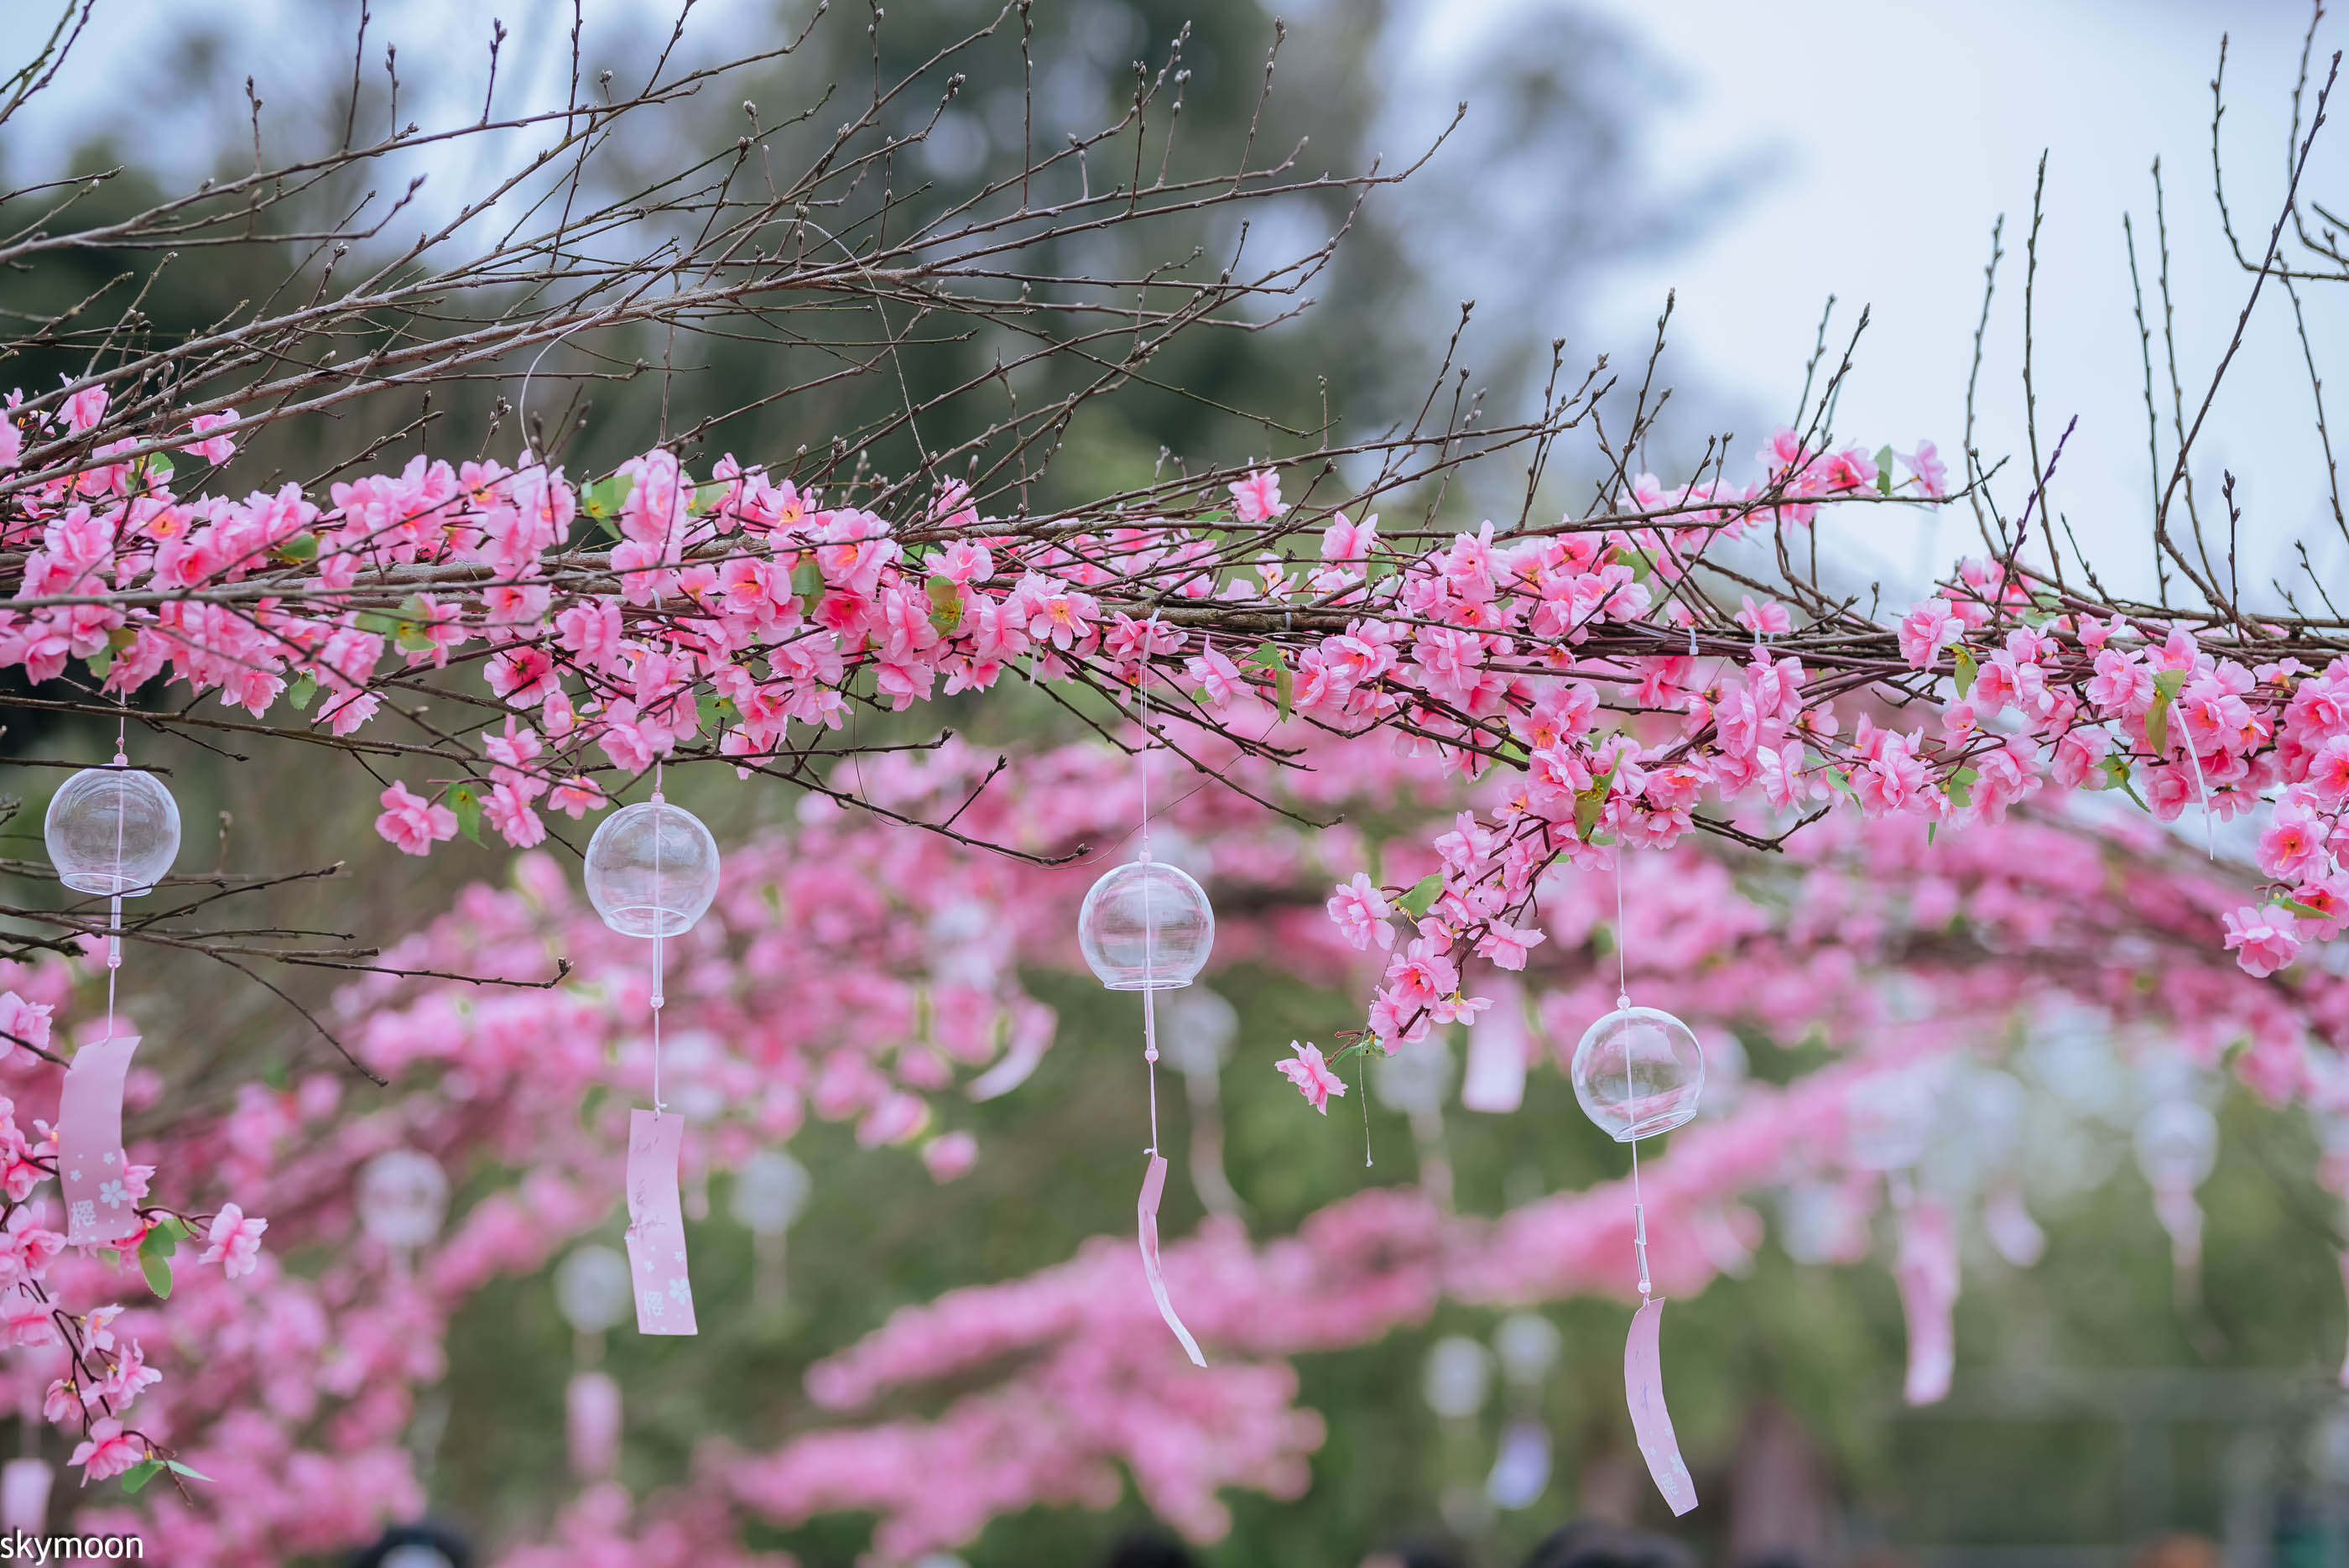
x: 592, y: 1408
x: 656, y: 1226
x: 1495, y: 1081
x: 98, y: 1208
x: 1927, y: 1274
x: 1152, y: 1186
x: 24, y: 1495
x: 1643, y: 1387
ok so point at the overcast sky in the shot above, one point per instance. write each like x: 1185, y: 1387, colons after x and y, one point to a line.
x: 1894, y: 135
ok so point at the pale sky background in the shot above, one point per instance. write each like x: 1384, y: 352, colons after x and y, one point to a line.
x: 1884, y: 139
x: 1895, y: 134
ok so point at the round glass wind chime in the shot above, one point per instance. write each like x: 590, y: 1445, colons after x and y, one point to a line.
x: 1639, y: 1072
x: 652, y: 872
x: 112, y: 831
x: 1146, y: 926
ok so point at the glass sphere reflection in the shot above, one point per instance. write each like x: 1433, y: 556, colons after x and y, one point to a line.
x: 112, y: 831
x: 403, y: 1196
x: 1146, y: 926
x: 652, y: 869
x: 770, y: 1190
x: 1637, y: 1071
x: 2176, y: 1145
x: 592, y: 1289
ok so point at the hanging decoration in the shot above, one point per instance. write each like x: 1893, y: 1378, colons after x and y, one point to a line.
x: 403, y: 1196
x: 1498, y: 1049
x: 1199, y: 1038
x: 1639, y: 1072
x: 112, y: 831
x: 1146, y: 926
x: 1888, y: 1122
x: 2176, y: 1148
x: 652, y: 871
x: 769, y: 1191
x: 592, y: 1287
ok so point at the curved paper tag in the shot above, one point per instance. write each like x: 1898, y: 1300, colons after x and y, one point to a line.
x: 1146, y: 1211
x: 1643, y: 1387
x: 656, y: 1226
x: 1927, y: 1274
x: 99, y: 1207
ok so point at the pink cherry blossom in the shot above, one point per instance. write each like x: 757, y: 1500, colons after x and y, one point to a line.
x: 235, y: 1241
x: 108, y: 1451
x: 1313, y: 1077
x: 412, y: 825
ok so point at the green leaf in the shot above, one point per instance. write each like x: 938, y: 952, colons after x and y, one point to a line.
x: 1421, y: 897
x: 1641, y: 563
x: 606, y: 497
x: 468, y: 807
x: 2297, y: 908
x: 304, y: 692
x: 413, y: 637
x: 1967, y: 669
x: 1884, y: 471
x: 155, y: 1260
x: 1961, y: 789
x: 946, y: 604
x: 140, y: 1474
x: 303, y: 546
x: 101, y: 661
x: 807, y: 582
x: 376, y: 622
x: 2116, y: 776
x: 1265, y: 656
x: 2156, y: 725
x: 187, y: 1470
x: 1842, y: 780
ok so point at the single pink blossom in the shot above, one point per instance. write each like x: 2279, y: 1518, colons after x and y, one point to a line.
x: 1313, y: 1077
x: 235, y: 1241
x: 1257, y: 497
x: 2263, y: 939
x: 109, y: 1452
x: 411, y: 823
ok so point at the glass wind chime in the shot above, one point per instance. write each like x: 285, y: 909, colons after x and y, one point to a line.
x: 112, y: 831
x: 1146, y: 926
x: 1639, y: 1072
x: 652, y: 871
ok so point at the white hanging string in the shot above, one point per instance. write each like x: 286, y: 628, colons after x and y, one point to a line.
x: 1622, y: 1000
x: 1149, y: 912
x: 659, y: 917
x: 114, y: 927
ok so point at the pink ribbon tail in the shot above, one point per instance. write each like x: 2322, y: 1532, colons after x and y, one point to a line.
x: 99, y: 1206
x: 1927, y: 1274
x: 1651, y: 1423
x: 1146, y: 1211
x: 656, y: 1225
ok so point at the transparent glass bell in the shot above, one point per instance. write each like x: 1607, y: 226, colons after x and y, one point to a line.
x: 403, y: 1196
x: 652, y: 869
x: 770, y: 1190
x: 1146, y: 926
x: 1637, y: 1071
x: 592, y: 1289
x: 113, y: 831
x: 1889, y: 1119
x: 2176, y: 1145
